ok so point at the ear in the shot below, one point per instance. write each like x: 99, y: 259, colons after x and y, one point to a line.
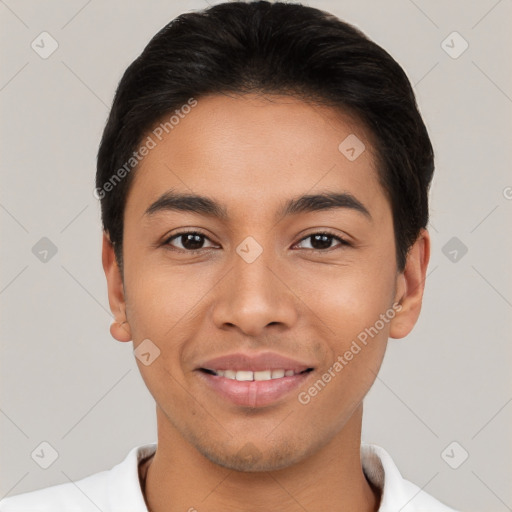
x: 120, y: 329
x: 410, y: 286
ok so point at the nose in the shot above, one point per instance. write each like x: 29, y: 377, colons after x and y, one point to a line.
x: 254, y: 296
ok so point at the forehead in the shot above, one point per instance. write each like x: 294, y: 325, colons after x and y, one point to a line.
x: 250, y: 151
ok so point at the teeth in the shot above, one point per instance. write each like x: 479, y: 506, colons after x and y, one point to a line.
x: 229, y: 374
x: 246, y: 375
x: 263, y: 375
x: 243, y: 375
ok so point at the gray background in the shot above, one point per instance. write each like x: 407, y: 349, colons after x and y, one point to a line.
x: 65, y: 381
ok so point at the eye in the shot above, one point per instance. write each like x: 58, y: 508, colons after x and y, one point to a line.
x: 190, y: 241
x: 321, y: 242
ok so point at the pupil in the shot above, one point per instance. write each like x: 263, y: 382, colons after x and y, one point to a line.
x: 191, y: 241
x: 325, y: 241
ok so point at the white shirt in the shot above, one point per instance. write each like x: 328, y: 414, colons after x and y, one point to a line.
x: 119, y: 490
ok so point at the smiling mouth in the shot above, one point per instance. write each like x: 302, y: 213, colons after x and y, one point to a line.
x: 248, y: 375
x: 254, y: 382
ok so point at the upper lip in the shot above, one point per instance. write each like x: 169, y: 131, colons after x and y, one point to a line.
x: 254, y: 362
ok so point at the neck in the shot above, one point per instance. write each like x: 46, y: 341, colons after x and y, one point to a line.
x: 179, y: 478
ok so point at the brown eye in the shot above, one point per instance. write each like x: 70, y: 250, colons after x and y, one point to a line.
x: 189, y: 241
x: 322, y: 241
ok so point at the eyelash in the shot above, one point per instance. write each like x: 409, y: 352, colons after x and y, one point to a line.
x: 343, y: 242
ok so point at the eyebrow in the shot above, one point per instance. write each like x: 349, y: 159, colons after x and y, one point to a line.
x: 203, y: 205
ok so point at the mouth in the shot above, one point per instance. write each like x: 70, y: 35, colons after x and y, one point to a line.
x: 253, y: 380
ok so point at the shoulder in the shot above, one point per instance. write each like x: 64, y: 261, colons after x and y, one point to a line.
x: 397, y: 493
x: 115, y: 490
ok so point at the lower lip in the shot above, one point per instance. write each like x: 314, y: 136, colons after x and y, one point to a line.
x: 253, y: 393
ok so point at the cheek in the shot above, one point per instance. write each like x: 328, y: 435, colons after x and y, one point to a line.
x: 160, y: 297
x: 348, y: 298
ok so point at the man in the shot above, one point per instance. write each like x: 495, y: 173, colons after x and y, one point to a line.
x: 263, y: 178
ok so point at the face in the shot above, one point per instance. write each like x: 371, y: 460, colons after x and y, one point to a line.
x: 258, y: 301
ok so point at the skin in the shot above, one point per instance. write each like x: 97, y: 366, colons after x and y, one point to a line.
x: 250, y: 153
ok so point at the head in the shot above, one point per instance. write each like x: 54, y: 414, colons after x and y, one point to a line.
x: 252, y: 106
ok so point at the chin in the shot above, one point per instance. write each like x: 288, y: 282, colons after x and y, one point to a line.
x: 251, y: 458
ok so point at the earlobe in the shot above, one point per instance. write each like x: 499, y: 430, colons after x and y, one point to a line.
x: 120, y: 331
x: 410, y: 287
x: 120, y: 328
